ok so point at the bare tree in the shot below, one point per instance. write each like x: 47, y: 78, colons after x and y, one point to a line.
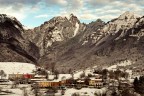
x: 15, y: 83
x: 70, y: 71
x: 25, y: 92
x: 2, y: 74
x: 56, y: 73
x: 53, y: 67
x: 36, y: 90
x: 82, y: 75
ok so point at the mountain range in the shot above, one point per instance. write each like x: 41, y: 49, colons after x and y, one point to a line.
x: 66, y: 43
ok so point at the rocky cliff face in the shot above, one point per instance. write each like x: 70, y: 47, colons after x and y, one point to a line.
x: 66, y: 43
x: 58, y: 29
x: 13, y: 47
x: 102, y: 44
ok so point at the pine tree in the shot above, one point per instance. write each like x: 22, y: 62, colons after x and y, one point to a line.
x: 136, y: 81
x: 139, y: 84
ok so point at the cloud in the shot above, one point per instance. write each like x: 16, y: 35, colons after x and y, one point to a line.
x: 103, y: 9
x: 75, y: 4
x: 87, y: 10
x: 20, y: 15
x: 56, y: 2
x: 88, y: 16
x: 110, y: 9
x: 42, y: 16
x: 99, y: 3
x: 31, y: 4
x: 18, y: 4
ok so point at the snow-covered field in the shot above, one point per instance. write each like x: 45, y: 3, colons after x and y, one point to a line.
x: 16, y: 67
x: 85, y: 91
x: 19, y: 91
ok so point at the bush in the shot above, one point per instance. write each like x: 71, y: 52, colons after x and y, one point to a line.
x: 82, y: 75
x: 89, y: 75
x: 75, y: 94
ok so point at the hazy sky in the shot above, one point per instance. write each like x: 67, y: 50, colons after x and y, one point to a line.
x: 32, y: 13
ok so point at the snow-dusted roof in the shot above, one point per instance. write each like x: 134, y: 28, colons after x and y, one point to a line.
x: 60, y: 77
x: 95, y: 79
x: 38, y: 79
x: 36, y: 76
x: 48, y: 81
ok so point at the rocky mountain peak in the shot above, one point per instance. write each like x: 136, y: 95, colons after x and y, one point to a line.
x: 73, y: 19
x: 10, y: 22
x: 128, y: 15
x: 56, y: 30
x: 125, y: 21
x: 6, y: 18
x: 59, y: 18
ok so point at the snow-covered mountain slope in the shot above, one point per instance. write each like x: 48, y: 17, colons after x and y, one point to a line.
x: 17, y: 67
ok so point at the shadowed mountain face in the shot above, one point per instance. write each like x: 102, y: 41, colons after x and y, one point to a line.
x: 13, y: 47
x: 68, y: 44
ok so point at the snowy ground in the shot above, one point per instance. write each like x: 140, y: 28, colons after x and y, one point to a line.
x: 84, y: 91
x: 18, y: 91
x: 16, y: 67
x: 125, y: 63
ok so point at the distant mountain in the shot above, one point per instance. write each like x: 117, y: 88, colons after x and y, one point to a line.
x: 69, y: 44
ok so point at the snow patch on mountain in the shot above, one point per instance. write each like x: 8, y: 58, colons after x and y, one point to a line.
x: 76, y: 29
x: 84, y: 42
x: 57, y: 35
x: 124, y: 63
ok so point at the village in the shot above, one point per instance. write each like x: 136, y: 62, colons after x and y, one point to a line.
x: 90, y: 82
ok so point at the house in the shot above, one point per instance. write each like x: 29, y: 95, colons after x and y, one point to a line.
x: 46, y: 84
x: 20, y: 76
x: 97, y: 76
x: 113, y: 83
x: 63, y: 82
x: 15, y: 76
x: 124, y: 84
x: 38, y: 78
x: 4, y: 80
x: 69, y: 83
x: 98, y: 83
x: 51, y: 77
x: 28, y: 76
x: 80, y: 81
